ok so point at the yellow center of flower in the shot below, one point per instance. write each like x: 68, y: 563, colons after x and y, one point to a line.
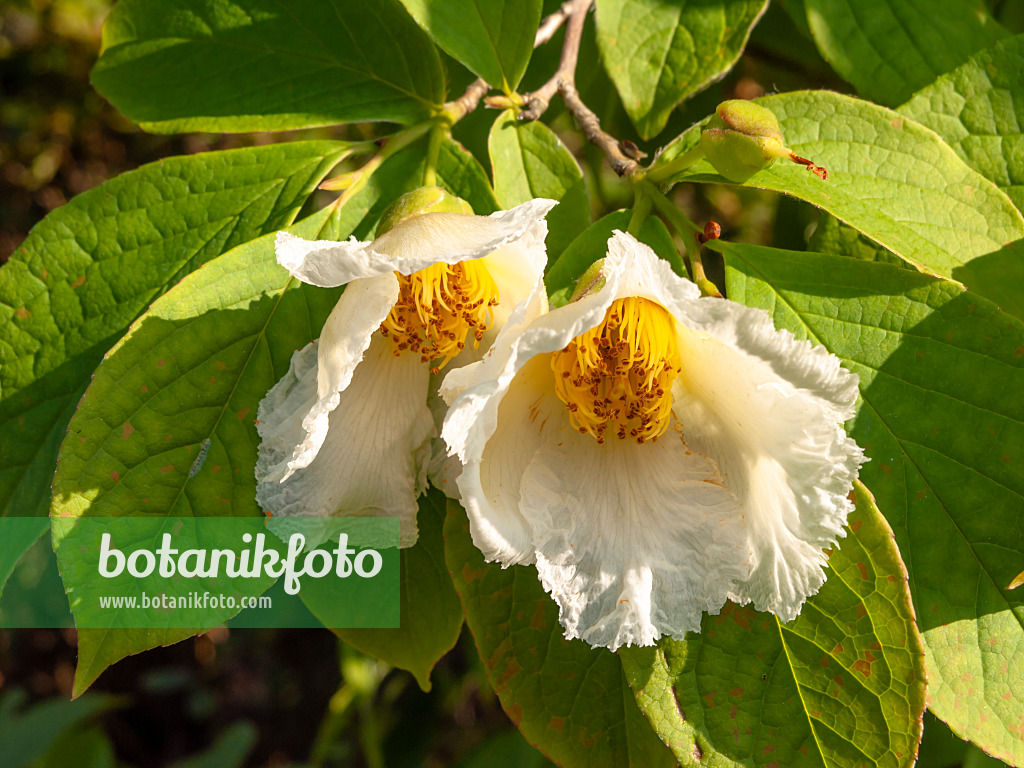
x: 437, y: 309
x: 619, y: 375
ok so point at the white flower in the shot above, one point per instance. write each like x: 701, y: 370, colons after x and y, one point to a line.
x: 655, y: 454
x: 347, y: 431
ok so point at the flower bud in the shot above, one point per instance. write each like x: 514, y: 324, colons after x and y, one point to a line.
x: 742, y: 138
x: 419, y: 201
x: 590, y: 281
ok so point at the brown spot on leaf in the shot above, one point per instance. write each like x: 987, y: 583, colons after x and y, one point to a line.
x: 79, y: 281
x: 126, y: 430
x: 144, y: 388
x: 537, y: 622
x: 824, y: 662
x: 22, y: 313
x: 838, y: 679
x: 736, y: 692
x: 856, y: 525
x: 215, y: 469
x: 219, y: 365
x: 242, y: 413
x: 862, y: 666
x: 556, y: 723
x: 863, y: 570
x: 469, y: 575
x: 768, y: 750
x: 115, y: 477
x: 515, y: 714
x: 861, y: 611
x: 709, y: 699
x: 1019, y: 351
x: 165, y: 470
x: 893, y: 578
x: 837, y: 649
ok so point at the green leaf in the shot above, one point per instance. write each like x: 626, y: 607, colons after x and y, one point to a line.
x: 660, y: 52
x: 18, y: 535
x: 569, y: 700
x: 494, y: 39
x: 530, y: 161
x: 832, y: 236
x: 943, y: 424
x: 978, y: 109
x: 889, y: 177
x: 92, y: 266
x: 188, y: 379
x: 887, y: 49
x: 592, y: 244
x: 999, y: 277
x: 260, y: 65
x: 431, y: 615
x: 27, y: 736
x: 229, y: 750
x: 842, y: 684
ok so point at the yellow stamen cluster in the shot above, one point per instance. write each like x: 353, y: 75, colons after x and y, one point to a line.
x: 619, y: 375
x: 437, y: 309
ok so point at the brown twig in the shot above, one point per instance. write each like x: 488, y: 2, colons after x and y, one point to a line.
x: 621, y: 155
x: 470, y: 100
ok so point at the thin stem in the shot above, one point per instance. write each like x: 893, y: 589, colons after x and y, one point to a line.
x: 470, y: 100
x: 641, y: 210
x: 355, y: 181
x: 437, y: 135
x: 659, y: 172
x: 539, y: 100
x: 563, y: 82
x: 678, y: 220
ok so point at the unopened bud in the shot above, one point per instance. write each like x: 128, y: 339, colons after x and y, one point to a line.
x: 420, y: 201
x: 742, y: 138
x: 591, y: 281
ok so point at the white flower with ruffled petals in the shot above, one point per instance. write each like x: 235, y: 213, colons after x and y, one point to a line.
x: 347, y: 431
x: 655, y: 454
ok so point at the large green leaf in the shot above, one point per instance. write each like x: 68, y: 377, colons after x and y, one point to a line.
x: 91, y: 267
x: 494, y: 39
x: 261, y: 65
x: 889, y: 48
x: 530, y: 161
x: 431, y: 615
x: 842, y: 684
x: 978, y: 109
x: 569, y: 700
x: 28, y: 735
x: 941, y: 418
x: 19, y: 533
x: 189, y: 376
x: 998, y: 276
x: 890, y: 178
x: 832, y: 236
x: 660, y: 52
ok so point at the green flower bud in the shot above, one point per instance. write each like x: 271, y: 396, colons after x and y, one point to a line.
x: 591, y: 281
x: 419, y: 201
x: 742, y: 138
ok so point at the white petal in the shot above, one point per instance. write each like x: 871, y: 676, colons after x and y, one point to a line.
x: 529, y: 415
x: 769, y: 410
x: 633, y: 541
x: 374, y: 458
x: 328, y: 365
x: 411, y: 245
